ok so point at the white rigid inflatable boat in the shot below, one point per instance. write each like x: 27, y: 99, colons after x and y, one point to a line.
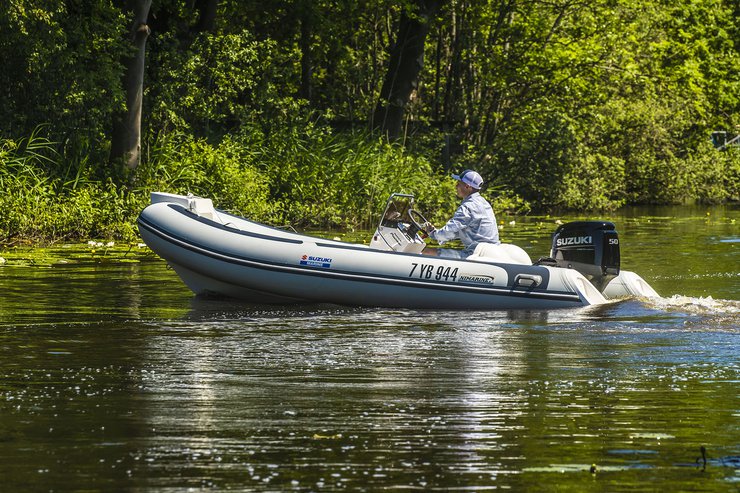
x: 214, y: 252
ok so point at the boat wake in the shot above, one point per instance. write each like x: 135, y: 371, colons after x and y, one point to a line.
x: 677, y: 311
x: 699, y: 306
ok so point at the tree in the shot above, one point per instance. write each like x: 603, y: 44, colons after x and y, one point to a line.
x: 126, y: 138
x: 405, y: 64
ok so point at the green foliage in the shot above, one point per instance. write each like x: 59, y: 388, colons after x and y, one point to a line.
x: 220, y: 83
x: 36, y: 205
x: 286, y: 177
x: 597, y: 105
x: 61, y: 65
x: 561, y: 104
x: 179, y: 164
x: 324, y: 179
x: 715, y: 176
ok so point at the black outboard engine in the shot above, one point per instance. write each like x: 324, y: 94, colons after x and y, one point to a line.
x: 590, y: 247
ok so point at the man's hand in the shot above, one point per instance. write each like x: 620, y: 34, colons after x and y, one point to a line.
x: 428, y: 227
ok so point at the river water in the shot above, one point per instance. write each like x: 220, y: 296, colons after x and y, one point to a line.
x: 113, y: 377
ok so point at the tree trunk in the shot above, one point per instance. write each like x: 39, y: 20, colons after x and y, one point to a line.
x: 126, y: 139
x: 305, y: 15
x: 406, y: 62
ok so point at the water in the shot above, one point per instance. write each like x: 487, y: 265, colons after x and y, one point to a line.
x: 113, y: 377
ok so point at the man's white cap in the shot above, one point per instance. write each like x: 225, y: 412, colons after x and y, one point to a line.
x: 470, y: 177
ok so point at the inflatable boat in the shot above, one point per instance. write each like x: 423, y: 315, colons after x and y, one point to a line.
x: 218, y: 253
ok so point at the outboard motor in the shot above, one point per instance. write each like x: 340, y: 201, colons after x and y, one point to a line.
x: 590, y: 247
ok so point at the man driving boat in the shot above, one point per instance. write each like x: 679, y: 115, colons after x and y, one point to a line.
x: 472, y: 223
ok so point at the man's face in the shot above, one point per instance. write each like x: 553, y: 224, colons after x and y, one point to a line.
x: 462, y: 189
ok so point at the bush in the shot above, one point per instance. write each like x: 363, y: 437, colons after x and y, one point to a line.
x: 714, y: 175
x: 318, y: 178
x: 181, y: 164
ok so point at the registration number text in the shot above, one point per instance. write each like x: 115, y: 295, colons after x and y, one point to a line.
x: 438, y: 273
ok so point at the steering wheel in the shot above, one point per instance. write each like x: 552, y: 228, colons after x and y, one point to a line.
x: 418, y: 221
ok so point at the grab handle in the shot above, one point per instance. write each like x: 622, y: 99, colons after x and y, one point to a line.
x: 527, y: 280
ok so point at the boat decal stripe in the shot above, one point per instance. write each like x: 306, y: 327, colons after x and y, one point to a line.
x: 355, y: 276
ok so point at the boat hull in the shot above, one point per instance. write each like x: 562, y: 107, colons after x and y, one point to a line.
x: 231, y: 256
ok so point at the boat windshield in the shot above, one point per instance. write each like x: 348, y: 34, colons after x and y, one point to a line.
x: 397, y: 209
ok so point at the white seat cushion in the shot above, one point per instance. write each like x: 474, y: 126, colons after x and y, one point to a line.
x: 503, y: 252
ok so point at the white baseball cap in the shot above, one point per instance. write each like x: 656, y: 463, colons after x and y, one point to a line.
x: 470, y: 177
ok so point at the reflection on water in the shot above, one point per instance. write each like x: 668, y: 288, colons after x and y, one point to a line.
x: 113, y: 377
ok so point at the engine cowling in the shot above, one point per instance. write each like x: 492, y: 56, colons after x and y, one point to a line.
x: 590, y: 247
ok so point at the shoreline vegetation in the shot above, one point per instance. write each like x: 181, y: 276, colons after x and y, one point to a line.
x: 343, y: 186
x: 311, y: 113
x: 342, y: 183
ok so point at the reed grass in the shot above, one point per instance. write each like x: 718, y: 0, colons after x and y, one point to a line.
x: 310, y: 178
